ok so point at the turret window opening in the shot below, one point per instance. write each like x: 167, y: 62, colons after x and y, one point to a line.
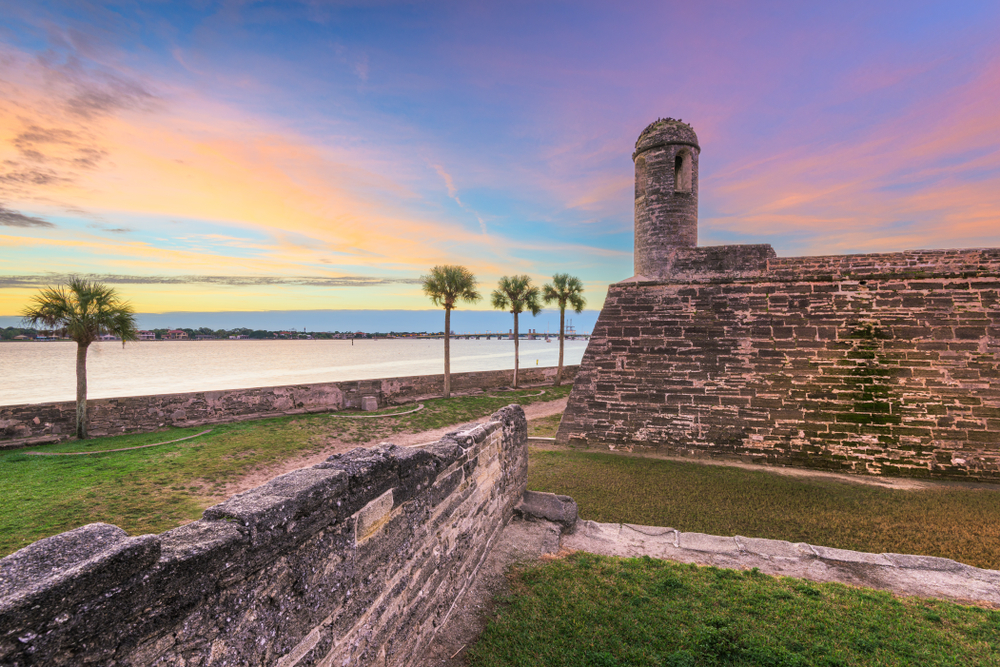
x: 640, y: 177
x: 682, y: 172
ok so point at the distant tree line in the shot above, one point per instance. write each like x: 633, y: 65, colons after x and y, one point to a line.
x: 10, y: 333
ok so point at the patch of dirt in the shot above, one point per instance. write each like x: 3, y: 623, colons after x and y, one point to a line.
x: 258, y: 477
x: 520, y: 542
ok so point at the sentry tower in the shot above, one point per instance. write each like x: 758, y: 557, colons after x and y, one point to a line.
x: 666, y: 193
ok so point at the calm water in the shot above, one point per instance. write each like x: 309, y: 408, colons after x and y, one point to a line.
x: 44, y: 372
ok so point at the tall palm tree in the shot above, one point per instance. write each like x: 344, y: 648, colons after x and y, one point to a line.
x: 565, y: 290
x: 517, y: 294
x: 85, y: 310
x: 445, y: 285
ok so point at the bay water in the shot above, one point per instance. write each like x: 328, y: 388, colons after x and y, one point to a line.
x: 43, y: 372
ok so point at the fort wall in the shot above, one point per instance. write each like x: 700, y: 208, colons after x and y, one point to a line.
x: 354, y: 561
x: 879, y: 363
x: 24, y: 424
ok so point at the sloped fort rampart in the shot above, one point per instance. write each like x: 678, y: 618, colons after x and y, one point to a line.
x: 354, y: 561
x: 878, y: 363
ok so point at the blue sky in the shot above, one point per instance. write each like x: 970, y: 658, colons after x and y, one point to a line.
x: 304, y: 156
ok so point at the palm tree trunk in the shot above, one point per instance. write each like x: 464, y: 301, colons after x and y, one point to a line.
x: 562, y: 328
x: 515, y: 350
x: 447, y: 352
x: 81, y: 390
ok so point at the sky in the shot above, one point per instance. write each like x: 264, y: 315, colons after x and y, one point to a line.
x: 306, y: 156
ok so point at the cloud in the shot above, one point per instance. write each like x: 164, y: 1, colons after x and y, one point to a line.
x: 449, y: 183
x: 361, y: 68
x: 113, y: 230
x: 29, y: 177
x: 37, y: 281
x: 9, y: 218
x: 55, y: 114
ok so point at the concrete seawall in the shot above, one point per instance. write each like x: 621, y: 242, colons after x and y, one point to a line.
x: 28, y: 424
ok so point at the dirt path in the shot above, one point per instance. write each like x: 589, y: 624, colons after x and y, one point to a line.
x: 533, y: 411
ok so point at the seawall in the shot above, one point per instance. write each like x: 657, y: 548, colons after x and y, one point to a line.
x: 357, y: 560
x: 883, y: 364
x: 23, y: 424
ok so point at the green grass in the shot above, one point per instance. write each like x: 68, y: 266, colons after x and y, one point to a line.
x: 544, y: 427
x: 155, y: 489
x: 952, y: 522
x: 590, y: 610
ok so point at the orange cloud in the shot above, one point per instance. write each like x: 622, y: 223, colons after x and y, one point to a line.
x: 79, y: 144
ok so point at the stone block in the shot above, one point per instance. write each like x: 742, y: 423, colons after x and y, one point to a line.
x: 853, y: 557
x: 925, y: 563
x: 369, y: 403
x: 48, y: 589
x: 74, y: 564
x: 298, y: 502
x: 372, y: 517
x: 560, y: 510
x: 768, y: 548
x: 708, y: 543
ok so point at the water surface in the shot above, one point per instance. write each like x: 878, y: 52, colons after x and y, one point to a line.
x: 45, y: 372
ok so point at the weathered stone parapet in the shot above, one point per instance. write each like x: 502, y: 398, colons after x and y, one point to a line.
x: 723, y: 263
x: 22, y: 425
x: 758, y: 262
x: 357, y: 560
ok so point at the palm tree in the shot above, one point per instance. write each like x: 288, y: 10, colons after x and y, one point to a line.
x: 565, y: 290
x: 517, y: 294
x: 445, y: 285
x: 85, y: 310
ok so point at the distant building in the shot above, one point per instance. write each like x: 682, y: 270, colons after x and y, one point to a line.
x: 108, y: 337
x: 240, y: 337
x: 176, y: 334
x: 147, y: 335
x: 204, y: 337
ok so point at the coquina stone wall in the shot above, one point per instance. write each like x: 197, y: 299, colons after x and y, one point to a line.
x: 26, y: 424
x: 355, y: 561
x: 879, y: 363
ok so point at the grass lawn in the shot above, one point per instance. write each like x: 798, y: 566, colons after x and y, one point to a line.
x: 544, y: 427
x: 591, y: 610
x: 155, y: 489
x: 953, y: 522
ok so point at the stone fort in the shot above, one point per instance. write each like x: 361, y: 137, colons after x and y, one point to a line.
x: 885, y: 364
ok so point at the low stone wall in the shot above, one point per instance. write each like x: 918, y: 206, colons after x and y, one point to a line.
x: 23, y: 424
x: 354, y: 561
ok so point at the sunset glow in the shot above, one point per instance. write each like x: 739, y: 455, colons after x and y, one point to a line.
x: 283, y: 156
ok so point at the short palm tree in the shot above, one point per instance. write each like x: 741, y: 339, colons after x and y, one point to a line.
x: 565, y: 290
x: 85, y: 310
x: 445, y: 285
x: 516, y: 294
